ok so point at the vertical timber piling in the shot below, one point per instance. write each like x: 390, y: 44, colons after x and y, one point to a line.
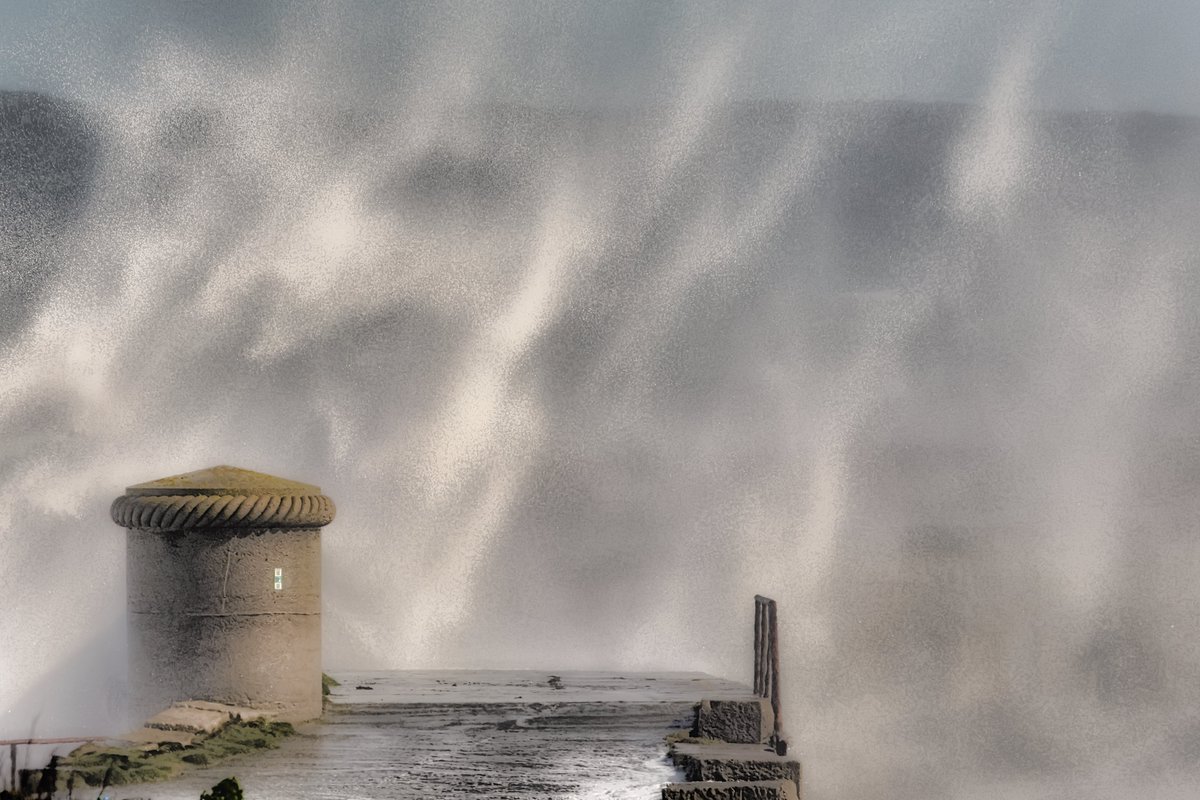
x: 766, y: 663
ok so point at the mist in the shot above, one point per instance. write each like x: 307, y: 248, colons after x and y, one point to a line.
x: 595, y: 322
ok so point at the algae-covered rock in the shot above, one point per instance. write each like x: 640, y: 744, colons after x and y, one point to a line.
x: 120, y: 763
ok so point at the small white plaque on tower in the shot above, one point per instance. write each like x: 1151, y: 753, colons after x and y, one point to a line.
x: 278, y: 578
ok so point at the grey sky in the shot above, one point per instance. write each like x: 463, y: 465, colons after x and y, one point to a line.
x: 1112, y: 54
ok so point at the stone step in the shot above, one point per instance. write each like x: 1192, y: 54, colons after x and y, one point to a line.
x: 734, y: 762
x: 731, y: 790
x: 201, y: 717
x: 744, y: 720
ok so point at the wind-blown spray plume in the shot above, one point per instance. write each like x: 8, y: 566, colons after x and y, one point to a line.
x: 586, y: 366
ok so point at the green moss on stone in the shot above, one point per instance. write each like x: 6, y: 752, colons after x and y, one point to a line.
x: 125, y: 765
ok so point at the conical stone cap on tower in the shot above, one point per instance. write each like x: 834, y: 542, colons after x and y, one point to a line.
x: 222, y: 497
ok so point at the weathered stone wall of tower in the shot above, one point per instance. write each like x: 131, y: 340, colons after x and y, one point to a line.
x: 224, y: 591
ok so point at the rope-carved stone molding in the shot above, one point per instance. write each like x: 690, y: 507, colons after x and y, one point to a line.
x: 192, y: 511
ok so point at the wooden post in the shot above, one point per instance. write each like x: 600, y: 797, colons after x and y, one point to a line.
x: 762, y: 647
x: 766, y: 663
x: 773, y: 633
x: 765, y: 651
x: 758, y: 636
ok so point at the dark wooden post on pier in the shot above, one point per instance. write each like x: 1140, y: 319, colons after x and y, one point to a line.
x: 766, y: 662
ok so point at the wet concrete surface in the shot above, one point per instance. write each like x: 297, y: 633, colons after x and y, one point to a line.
x: 460, y: 734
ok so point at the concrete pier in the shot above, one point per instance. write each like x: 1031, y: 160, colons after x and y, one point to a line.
x: 735, y: 762
x: 514, y: 735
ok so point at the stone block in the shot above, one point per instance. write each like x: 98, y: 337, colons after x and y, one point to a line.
x: 235, y: 712
x: 748, y: 720
x: 196, y: 717
x: 731, y: 790
x: 734, y: 762
x: 192, y: 720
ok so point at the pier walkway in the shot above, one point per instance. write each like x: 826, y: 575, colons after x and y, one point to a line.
x: 510, y: 735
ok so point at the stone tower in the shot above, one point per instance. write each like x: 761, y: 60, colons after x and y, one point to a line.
x: 224, y: 590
